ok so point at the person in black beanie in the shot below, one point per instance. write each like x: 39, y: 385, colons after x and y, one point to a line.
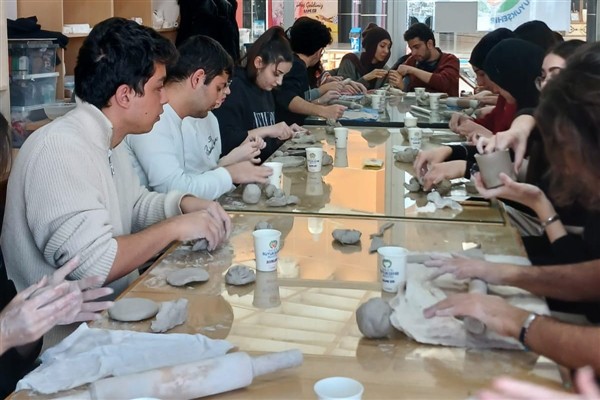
x: 369, y: 67
x: 537, y: 32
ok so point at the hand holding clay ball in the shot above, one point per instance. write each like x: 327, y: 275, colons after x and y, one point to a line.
x: 373, y: 319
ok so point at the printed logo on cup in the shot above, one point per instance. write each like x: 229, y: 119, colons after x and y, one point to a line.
x: 273, y: 244
x: 312, y: 155
x: 386, y: 263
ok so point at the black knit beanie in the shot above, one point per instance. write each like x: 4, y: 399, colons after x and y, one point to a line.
x: 481, y: 49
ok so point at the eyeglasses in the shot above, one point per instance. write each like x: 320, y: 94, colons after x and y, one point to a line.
x: 225, y: 86
x: 552, y: 72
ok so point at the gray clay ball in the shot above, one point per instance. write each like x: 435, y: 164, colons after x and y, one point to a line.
x: 373, y: 319
x: 262, y: 225
x: 251, y: 194
x: 200, y: 245
x: 239, y: 275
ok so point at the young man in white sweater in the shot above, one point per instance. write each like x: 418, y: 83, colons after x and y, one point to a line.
x: 72, y: 190
x: 182, y: 152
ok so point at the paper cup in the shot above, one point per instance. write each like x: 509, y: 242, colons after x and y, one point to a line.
x: 434, y: 101
x: 392, y: 267
x: 376, y: 101
x: 380, y: 92
x: 266, y: 247
x: 314, y: 158
x: 266, y: 290
x: 339, y: 388
x: 410, y: 122
x: 419, y: 91
x: 341, y: 137
x: 415, y: 137
x: 275, y: 178
x: 492, y: 164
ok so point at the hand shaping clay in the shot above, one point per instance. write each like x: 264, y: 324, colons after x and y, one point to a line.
x: 262, y: 225
x: 171, y: 314
x: 413, y: 185
x: 346, y: 236
x: 407, y: 155
x: 200, y: 245
x: 307, y: 138
x: 133, y: 309
x: 239, y: 275
x: 251, y: 194
x: 184, y: 276
x: 373, y: 318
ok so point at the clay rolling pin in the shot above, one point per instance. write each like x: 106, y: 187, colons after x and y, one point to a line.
x: 474, y: 325
x: 193, y: 380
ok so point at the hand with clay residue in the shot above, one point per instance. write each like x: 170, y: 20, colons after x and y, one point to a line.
x: 464, y: 268
x: 456, y: 119
x: 247, y: 151
x: 472, y: 130
x: 514, y: 138
x: 246, y: 172
x: 505, y: 388
x: 446, y: 170
x: 493, y: 311
x: 51, y: 301
x: 428, y: 157
x: 334, y: 112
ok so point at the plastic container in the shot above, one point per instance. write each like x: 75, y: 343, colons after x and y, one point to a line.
x: 355, y: 39
x: 31, y: 56
x: 33, y: 89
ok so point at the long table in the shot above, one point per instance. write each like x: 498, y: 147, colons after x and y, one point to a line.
x: 346, y: 188
x: 310, y: 303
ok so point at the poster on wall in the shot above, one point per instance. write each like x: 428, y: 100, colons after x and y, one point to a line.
x: 494, y: 14
x: 277, y: 9
x: 325, y: 11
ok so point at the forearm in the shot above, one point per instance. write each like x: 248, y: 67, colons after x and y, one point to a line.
x: 524, y: 124
x: 301, y: 106
x: 263, y: 131
x: 135, y: 249
x: 570, y: 345
x: 570, y: 282
x: 545, y: 210
x: 192, y: 203
x: 420, y: 74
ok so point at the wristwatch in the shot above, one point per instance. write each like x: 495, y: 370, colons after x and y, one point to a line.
x: 544, y: 224
x: 525, y: 327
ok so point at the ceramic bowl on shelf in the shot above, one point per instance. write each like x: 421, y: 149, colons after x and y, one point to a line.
x: 55, y: 110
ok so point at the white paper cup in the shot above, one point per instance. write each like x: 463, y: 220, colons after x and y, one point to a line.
x: 434, y: 101
x: 392, y: 267
x: 415, y: 137
x: 314, y: 158
x: 341, y: 137
x: 266, y: 290
x: 381, y: 92
x: 339, y: 388
x: 419, y: 91
x: 266, y: 247
x: 275, y: 178
x: 376, y: 101
x: 410, y: 122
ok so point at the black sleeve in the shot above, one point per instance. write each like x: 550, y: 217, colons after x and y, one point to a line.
x: 293, y: 85
x: 464, y: 152
x: 232, y: 122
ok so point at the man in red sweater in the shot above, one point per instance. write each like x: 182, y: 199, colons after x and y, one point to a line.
x: 427, y: 65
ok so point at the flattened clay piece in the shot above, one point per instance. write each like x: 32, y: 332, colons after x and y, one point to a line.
x: 251, y: 193
x: 270, y: 190
x: 200, y: 245
x: 305, y: 138
x: 290, y: 161
x: 239, y: 275
x: 373, y: 318
x: 171, y: 314
x: 292, y: 200
x: 277, y: 201
x: 262, y: 225
x: 182, y: 277
x: 278, y: 193
x: 413, y: 185
x: 444, y: 187
x: 407, y: 155
x: 382, y: 229
x: 327, y: 160
x: 346, y: 236
x: 278, y: 153
x: 376, y: 242
x: 133, y: 309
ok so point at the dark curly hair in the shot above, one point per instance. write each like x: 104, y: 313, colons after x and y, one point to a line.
x: 200, y: 52
x: 308, y: 35
x: 119, y: 51
x: 569, y: 122
x: 420, y: 31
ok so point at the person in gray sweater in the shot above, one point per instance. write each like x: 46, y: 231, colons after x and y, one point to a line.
x: 72, y: 190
